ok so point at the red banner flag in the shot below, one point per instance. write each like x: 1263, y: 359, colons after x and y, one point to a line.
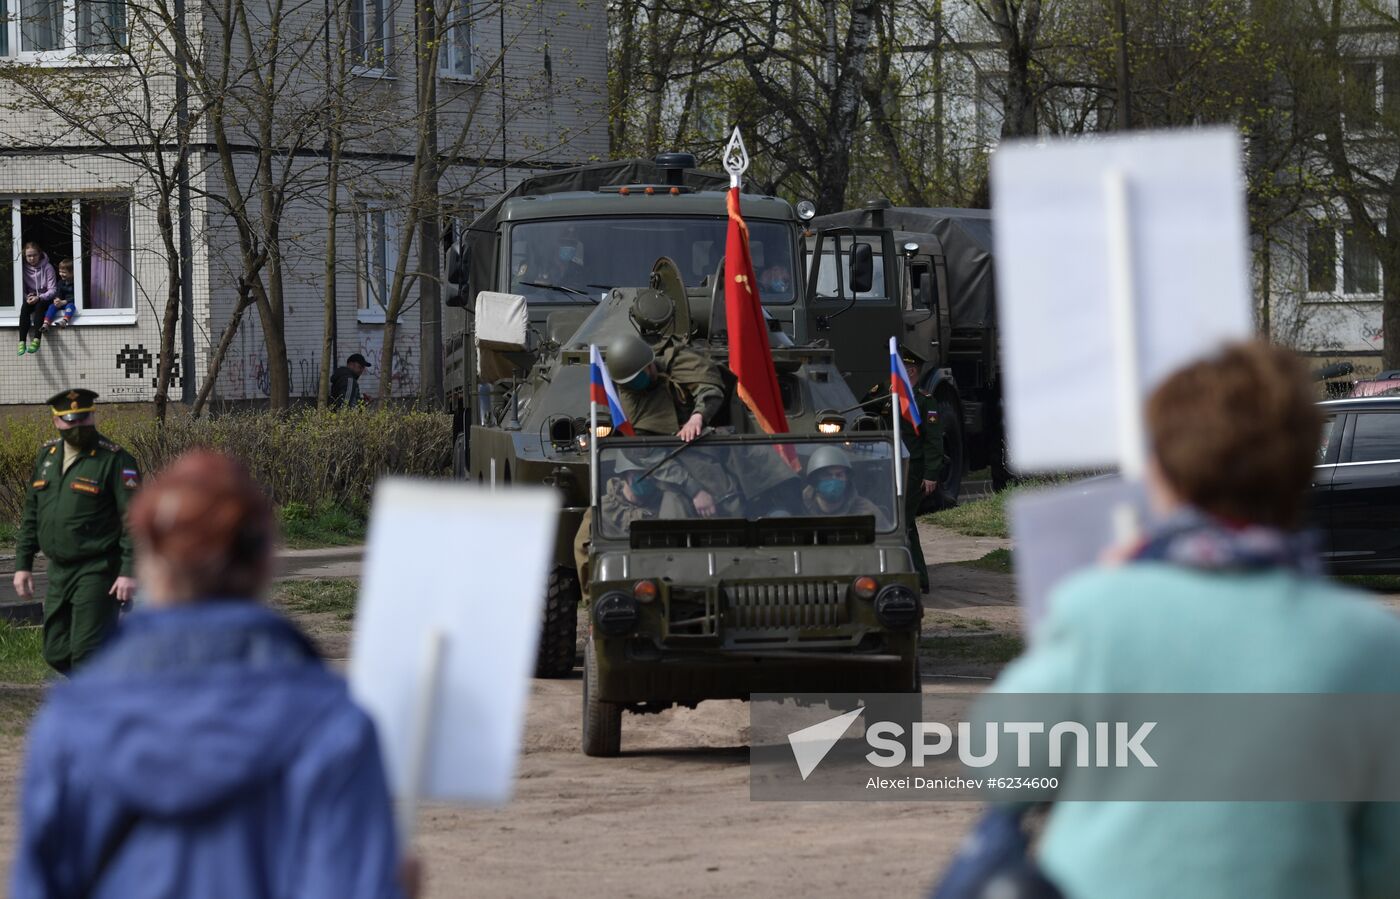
x: 749, y: 356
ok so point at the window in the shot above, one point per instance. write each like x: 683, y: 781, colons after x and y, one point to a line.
x: 369, y: 33
x: 1329, y: 433
x: 1390, y: 100
x: 1361, y: 270
x: 1356, y: 265
x: 1361, y: 83
x: 455, y: 52
x: 44, y: 30
x: 1376, y: 437
x: 1322, y: 260
x: 826, y: 273
x: 95, y: 233
x: 379, y: 254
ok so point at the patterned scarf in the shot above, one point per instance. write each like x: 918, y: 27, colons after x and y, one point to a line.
x: 1192, y: 539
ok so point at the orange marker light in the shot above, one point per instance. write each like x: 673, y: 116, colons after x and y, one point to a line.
x: 864, y: 587
x: 624, y: 191
x: 644, y: 591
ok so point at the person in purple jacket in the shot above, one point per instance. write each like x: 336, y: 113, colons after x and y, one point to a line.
x: 206, y: 751
x: 40, y: 287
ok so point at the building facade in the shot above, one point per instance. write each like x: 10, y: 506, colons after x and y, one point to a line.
x: 277, y: 121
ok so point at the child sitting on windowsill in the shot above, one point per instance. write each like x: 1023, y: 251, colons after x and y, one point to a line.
x: 60, y: 313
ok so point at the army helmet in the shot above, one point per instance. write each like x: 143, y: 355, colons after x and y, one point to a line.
x: 653, y: 313
x: 628, y: 354
x: 828, y: 457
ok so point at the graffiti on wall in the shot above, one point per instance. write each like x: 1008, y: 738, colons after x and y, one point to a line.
x: 403, y: 374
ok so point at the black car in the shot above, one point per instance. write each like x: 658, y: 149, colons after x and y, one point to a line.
x: 1356, y: 485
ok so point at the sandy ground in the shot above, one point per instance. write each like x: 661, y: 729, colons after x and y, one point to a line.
x: 672, y: 816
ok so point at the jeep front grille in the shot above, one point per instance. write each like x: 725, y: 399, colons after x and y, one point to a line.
x: 800, y: 604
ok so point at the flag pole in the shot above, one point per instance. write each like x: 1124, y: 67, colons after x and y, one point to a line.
x: 592, y: 431
x: 896, y: 413
x: 1132, y: 439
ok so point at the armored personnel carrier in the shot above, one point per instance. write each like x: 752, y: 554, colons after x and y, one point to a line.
x: 565, y: 260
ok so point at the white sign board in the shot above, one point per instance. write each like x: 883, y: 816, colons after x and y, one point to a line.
x: 1061, y: 530
x: 1187, y: 271
x: 470, y: 565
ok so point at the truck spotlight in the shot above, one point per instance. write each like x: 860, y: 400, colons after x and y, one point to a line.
x: 806, y: 210
x: 615, y: 614
x: 864, y: 587
x: 911, y: 248
x: 897, y: 607
x: 830, y: 423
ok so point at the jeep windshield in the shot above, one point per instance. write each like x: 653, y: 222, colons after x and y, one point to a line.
x: 726, y: 483
x: 580, y: 260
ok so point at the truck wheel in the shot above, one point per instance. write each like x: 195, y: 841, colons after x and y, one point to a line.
x: 950, y: 485
x: 602, y: 721
x: 559, y: 638
x: 917, y: 685
x: 1002, y: 475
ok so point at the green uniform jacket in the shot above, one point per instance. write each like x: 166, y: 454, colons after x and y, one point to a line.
x: 687, y: 383
x: 926, y: 456
x: 80, y: 514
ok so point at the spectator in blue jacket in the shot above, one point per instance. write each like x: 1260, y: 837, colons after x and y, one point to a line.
x: 206, y: 751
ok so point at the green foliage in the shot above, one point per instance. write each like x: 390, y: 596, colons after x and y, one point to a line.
x: 1376, y: 583
x: 21, y: 655
x: 998, y: 560
x: 321, y: 461
x: 984, y: 517
x: 976, y: 649
x: 330, y: 595
x: 327, y: 524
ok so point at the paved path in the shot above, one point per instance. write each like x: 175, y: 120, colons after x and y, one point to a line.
x: 291, y: 565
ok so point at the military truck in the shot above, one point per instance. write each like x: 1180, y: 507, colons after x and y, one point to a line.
x: 947, y: 299
x: 781, y: 595
x: 559, y: 262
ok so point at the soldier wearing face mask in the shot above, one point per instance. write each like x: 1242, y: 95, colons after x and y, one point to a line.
x: 75, y: 512
x: 830, y: 490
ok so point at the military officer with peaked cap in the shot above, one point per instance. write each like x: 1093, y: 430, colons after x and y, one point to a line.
x: 74, y: 511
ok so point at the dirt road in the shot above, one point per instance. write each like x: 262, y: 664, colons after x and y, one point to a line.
x: 672, y: 816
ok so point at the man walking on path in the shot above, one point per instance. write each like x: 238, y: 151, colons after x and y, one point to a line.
x: 345, y: 383
x: 75, y: 511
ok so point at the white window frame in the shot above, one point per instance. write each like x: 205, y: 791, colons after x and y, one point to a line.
x: 69, y: 54
x: 362, y: 67
x: 368, y: 309
x: 9, y: 315
x: 1339, y: 262
x: 460, y: 14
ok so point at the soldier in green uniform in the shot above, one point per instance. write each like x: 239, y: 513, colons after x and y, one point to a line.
x: 926, y: 461
x: 830, y: 490
x: 74, y: 510
x: 677, y: 393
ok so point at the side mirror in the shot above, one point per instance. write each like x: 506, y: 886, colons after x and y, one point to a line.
x: 456, y: 266
x: 925, y: 291
x: 862, y: 268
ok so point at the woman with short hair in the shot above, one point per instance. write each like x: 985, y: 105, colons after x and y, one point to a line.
x: 1223, y: 596
x: 206, y: 751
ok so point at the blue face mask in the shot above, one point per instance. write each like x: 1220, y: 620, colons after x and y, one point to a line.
x: 779, y: 286
x: 641, y: 381
x: 831, y: 488
x: 566, y: 253
x: 643, y: 488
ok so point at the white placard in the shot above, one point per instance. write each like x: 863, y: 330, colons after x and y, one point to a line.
x: 1061, y: 530
x: 469, y: 565
x: 1189, y: 279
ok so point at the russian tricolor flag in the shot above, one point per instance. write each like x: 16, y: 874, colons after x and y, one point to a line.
x: 602, y: 392
x: 900, y: 386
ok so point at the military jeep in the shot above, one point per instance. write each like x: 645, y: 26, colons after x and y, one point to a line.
x: 774, y: 595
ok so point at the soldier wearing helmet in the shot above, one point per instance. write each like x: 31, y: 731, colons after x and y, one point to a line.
x: 831, y: 491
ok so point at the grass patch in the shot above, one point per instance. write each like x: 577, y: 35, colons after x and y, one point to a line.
x: 17, y: 708
x: 989, y: 649
x: 22, y: 655
x: 328, y: 524
x: 998, y: 560
x: 327, y: 595
x: 984, y: 517
x: 1376, y: 583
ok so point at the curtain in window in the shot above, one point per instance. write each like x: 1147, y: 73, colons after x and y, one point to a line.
x: 41, y: 25
x: 108, y: 262
x: 101, y: 25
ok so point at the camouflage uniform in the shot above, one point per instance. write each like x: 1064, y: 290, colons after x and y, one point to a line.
x: 852, y: 503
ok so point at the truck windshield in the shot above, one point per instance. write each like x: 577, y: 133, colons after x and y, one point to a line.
x: 744, y: 478
x: 557, y: 260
